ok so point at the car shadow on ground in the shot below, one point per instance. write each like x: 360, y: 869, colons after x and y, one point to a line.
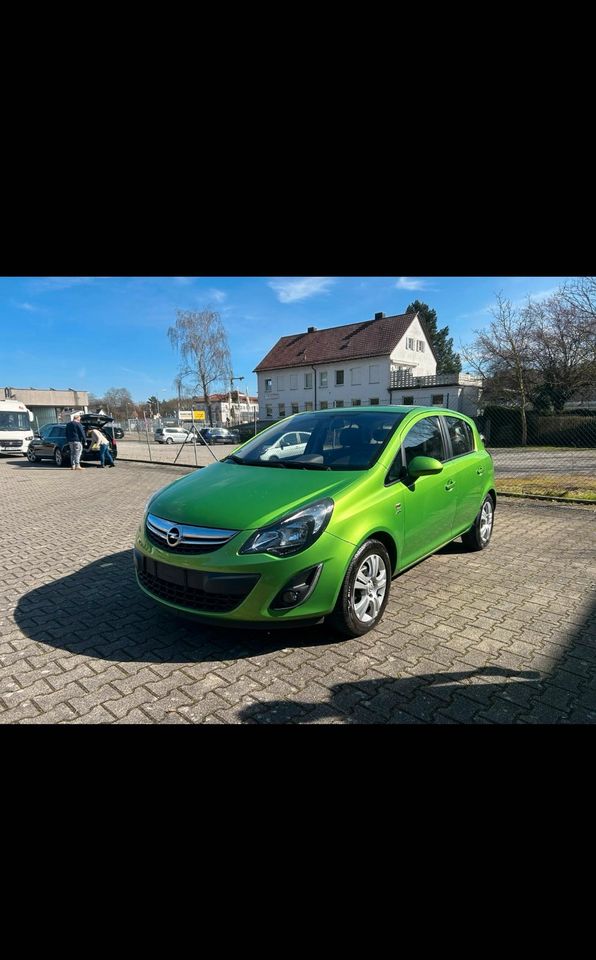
x: 100, y: 611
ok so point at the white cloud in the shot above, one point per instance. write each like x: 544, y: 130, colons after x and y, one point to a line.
x: 218, y: 295
x: 43, y: 284
x: 288, y: 291
x: 409, y: 283
x: 27, y: 306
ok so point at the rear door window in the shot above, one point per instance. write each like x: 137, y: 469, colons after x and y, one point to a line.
x: 460, y: 432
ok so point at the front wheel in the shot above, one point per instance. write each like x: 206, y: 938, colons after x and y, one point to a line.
x: 58, y: 457
x: 169, y: 440
x: 478, y: 536
x: 364, y: 592
x: 31, y: 456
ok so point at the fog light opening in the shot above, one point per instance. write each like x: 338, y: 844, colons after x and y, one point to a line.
x: 298, y: 589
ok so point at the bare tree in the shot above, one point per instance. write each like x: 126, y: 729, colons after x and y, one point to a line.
x: 202, y: 342
x: 117, y: 400
x: 581, y: 294
x: 563, y: 350
x: 503, y: 351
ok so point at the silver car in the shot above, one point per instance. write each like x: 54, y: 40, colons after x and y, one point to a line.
x: 172, y: 435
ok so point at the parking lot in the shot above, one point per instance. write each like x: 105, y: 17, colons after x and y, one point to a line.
x: 503, y: 636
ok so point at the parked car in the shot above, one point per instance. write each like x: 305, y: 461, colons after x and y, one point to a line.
x: 51, y: 442
x: 321, y: 533
x: 113, y: 432
x: 173, y: 435
x: 288, y: 445
x: 219, y: 435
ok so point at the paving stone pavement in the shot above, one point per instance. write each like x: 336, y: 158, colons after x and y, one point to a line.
x: 499, y: 637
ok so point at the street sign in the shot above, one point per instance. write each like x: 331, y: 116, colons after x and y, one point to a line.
x: 191, y: 415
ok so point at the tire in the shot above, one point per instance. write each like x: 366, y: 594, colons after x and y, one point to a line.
x: 31, y: 457
x: 479, y: 534
x: 273, y: 458
x: 364, y: 593
x: 169, y: 440
x: 59, y: 458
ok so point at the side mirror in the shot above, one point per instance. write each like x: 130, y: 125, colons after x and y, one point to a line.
x: 424, y: 467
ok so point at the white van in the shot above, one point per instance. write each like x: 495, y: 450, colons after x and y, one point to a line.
x: 172, y: 435
x: 15, y: 427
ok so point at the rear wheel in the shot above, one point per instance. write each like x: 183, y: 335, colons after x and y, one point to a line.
x: 169, y: 440
x: 478, y: 536
x: 364, y: 592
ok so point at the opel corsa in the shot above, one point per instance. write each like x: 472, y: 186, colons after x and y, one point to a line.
x: 321, y: 532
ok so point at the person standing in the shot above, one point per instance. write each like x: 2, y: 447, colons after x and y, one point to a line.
x: 76, y: 438
x: 99, y: 438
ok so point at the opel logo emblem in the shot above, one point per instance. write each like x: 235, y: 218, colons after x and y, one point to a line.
x: 173, y: 537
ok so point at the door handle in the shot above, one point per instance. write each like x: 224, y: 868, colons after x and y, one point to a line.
x: 449, y: 485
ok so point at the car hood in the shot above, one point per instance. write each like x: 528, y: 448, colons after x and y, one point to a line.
x: 237, y: 497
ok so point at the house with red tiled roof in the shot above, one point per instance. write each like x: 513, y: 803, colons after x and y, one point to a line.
x: 345, y: 366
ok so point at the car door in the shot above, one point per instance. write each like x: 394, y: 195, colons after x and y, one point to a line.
x: 427, y: 504
x: 49, y: 441
x: 467, y: 469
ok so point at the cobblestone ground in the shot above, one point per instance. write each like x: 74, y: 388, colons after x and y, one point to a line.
x: 504, y: 636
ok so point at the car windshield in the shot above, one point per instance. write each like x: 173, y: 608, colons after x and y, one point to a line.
x: 350, y: 440
x: 14, y: 421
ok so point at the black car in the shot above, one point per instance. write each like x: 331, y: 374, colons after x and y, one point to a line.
x: 51, y: 442
x: 113, y: 433
x: 218, y: 435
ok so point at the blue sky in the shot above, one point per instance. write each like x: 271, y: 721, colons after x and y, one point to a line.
x: 93, y: 333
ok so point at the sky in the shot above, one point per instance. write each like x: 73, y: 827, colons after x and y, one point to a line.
x: 93, y: 333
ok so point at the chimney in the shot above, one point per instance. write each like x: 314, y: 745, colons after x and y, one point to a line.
x: 311, y: 329
x: 379, y: 316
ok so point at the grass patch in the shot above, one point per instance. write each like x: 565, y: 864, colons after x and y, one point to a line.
x: 576, y: 487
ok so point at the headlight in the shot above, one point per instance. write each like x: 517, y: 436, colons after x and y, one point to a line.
x: 293, y: 533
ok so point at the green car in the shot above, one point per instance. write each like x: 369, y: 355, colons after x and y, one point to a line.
x: 321, y: 530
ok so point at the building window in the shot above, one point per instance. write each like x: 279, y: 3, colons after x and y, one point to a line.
x: 308, y: 405
x: 373, y: 373
x: 268, y: 410
x: 268, y: 385
x: 356, y: 403
x: 323, y: 405
x: 420, y: 346
x: 294, y: 408
x: 437, y: 400
x: 294, y: 381
x: 281, y: 382
x: 282, y: 409
x: 408, y: 401
x: 356, y: 376
x: 339, y: 403
x: 409, y: 343
x: 308, y: 381
x: 339, y: 378
x: 323, y: 378
x: 374, y: 402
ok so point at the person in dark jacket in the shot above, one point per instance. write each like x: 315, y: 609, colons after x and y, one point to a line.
x: 76, y: 438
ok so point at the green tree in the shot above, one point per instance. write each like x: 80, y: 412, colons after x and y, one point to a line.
x: 447, y: 360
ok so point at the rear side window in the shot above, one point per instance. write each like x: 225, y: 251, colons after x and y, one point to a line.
x: 462, y: 439
x: 57, y: 432
x: 424, y: 440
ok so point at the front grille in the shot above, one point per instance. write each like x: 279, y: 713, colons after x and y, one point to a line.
x: 11, y: 443
x: 206, y: 592
x: 191, y: 539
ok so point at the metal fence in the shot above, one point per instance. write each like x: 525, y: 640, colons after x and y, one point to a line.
x: 554, y: 456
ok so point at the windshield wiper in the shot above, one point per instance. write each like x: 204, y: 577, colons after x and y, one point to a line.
x: 235, y: 459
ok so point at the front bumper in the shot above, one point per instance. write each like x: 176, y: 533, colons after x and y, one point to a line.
x: 225, y: 587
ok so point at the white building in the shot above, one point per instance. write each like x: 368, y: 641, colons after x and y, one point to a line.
x: 360, y: 364
x: 227, y: 411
